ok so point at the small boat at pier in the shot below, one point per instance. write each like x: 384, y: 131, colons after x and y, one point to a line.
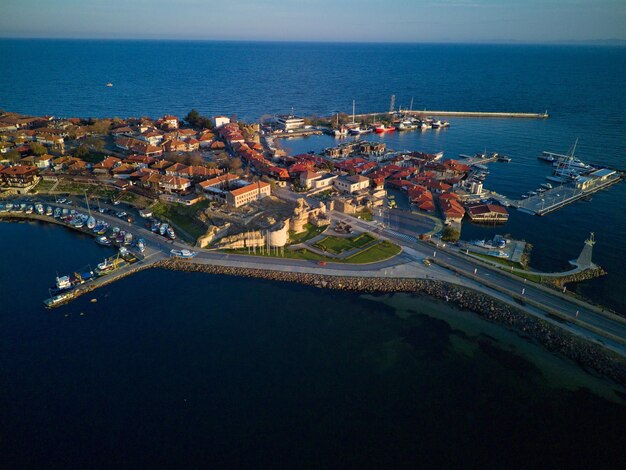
x: 170, y: 233
x: 104, y: 241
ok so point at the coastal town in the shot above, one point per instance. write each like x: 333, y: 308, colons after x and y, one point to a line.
x: 222, y: 194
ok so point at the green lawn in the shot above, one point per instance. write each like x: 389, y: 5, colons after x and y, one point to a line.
x: 311, y: 231
x: 183, y: 217
x: 378, y: 252
x: 338, y: 245
x: 366, y: 215
x: 44, y: 186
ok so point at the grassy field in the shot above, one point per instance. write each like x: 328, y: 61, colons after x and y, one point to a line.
x: 44, y: 186
x: 338, y: 245
x: 311, y: 231
x: 183, y: 217
x: 378, y: 252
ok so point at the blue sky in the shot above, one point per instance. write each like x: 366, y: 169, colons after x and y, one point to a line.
x: 319, y: 20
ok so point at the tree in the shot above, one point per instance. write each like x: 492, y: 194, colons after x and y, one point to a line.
x: 81, y: 151
x: 450, y: 234
x: 101, y: 126
x: 95, y: 143
x: 13, y: 155
x: 235, y: 164
x: 192, y: 117
x: 36, y: 148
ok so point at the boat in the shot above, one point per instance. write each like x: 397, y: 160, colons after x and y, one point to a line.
x: 48, y: 211
x: 62, y: 283
x: 141, y: 245
x: 503, y: 159
x: 480, y: 167
x: 546, y: 185
x: 556, y: 179
x: 39, y: 209
x: 128, y: 238
x: 121, y: 235
x: 183, y: 253
x: 145, y: 213
x: 170, y: 233
x: 379, y: 128
x: 155, y: 226
x: 57, y: 213
x: 57, y: 299
x: 163, y: 229
x: 524, y: 196
x: 29, y: 209
x: 355, y: 131
x: 109, y: 84
x: 103, y: 229
x: 103, y: 241
x: 91, y: 222
x: 548, y: 157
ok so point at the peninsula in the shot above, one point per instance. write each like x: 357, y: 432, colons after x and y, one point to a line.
x: 219, y: 195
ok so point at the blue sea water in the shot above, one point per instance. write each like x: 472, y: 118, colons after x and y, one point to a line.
x: 176, y: 369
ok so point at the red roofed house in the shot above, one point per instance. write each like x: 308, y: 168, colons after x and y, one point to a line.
x: 174, y: 184
x: 19, y: 177
x: 487, y: 213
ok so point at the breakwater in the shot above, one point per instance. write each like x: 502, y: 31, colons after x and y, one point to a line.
x: 473, y: 114
x: 588, y: 355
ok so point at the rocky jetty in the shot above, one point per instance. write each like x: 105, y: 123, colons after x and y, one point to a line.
x: 587, y: 354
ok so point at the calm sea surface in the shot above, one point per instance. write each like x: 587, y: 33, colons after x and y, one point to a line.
x: 172, y: 369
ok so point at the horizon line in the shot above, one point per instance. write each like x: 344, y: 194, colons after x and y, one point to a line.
x: 604, y: 42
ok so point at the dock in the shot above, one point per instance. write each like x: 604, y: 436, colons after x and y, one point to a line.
x: 130, y: 268
x: 555, y: 198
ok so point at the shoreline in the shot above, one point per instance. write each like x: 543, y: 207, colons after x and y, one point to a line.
x: 586, y: 354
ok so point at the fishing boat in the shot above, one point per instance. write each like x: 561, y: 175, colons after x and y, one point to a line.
x: 183, y: 253
x: 170, y: 233
x: 103, y: 241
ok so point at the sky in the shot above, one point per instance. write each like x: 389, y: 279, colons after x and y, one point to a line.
x: 318, y: 20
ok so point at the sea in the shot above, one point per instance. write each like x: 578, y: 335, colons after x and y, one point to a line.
x: 182, y: 370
